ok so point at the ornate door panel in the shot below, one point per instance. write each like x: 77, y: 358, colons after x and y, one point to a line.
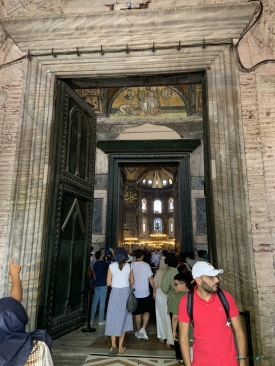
x: 182, y: 206
x: 177, y: 218
x: 121, y: 209
x: 65, y: 280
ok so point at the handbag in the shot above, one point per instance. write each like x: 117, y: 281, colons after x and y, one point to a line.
x: 131, y: 303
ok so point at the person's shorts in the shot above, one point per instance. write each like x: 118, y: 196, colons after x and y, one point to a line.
x: 144, y: 305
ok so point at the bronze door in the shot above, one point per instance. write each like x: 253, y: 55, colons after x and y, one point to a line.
x: 66, y: 266
x: 182, y: 207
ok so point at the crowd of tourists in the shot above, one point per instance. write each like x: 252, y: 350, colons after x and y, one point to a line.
x: 177, y: 292
x: 193, y: 315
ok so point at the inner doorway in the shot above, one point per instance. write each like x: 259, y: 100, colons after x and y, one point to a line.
x: 147, y: 212
x: 126, y: 219
x: 148, y: 207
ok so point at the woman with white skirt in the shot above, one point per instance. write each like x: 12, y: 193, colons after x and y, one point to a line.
x: 164, y: 328
x: 119, y: 320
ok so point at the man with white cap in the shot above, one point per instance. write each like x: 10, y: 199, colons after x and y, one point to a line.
x: 213, y: 336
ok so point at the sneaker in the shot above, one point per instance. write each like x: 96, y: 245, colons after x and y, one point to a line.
x: 143, y: 334
x: 102, y: 323
x: 91, y: 322
x: 137, y: 335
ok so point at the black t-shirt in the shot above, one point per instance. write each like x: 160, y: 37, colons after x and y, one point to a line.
x: 100, y: 269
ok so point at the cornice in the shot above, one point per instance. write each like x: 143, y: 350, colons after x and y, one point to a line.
x: 148, y: 146
x: 115, y: 29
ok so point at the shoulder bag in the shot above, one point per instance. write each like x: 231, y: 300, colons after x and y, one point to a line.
x: 131, y: 303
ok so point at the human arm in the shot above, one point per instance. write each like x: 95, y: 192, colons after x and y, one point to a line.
x: 132, y: 278
x: 151, y: 280
x: 113, y: 253
x: 155, y: 287
x: 16, y: 286
x: 174, y: 326
x: 109, y: 277
x: 184, y: 342
x: 240, y: 337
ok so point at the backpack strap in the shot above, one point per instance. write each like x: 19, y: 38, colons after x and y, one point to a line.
x: 225, y: 304
x: 190, y: 303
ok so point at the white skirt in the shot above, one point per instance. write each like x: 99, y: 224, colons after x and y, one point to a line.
x: 164, y: 327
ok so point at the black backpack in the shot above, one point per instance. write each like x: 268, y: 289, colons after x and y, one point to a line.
x: 190, y: 303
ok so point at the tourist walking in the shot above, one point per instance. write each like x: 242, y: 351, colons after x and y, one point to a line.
x: 163, y: 322
x: 213, y: 334
x: 182, y: 284
x: 167, y: 283
x: 143, y: 277
x: 119, y: 320
x: 100, y: 287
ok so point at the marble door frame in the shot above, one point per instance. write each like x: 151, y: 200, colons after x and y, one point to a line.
x: 227, y: 171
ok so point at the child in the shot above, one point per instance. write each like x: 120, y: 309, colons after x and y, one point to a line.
x: 182, y: 284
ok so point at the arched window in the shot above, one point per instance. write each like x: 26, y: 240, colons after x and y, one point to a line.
x: 144, y: 226
x: 171, y: 205
x: 171, y: 228
x: 157, y: 206
x: 143, y: 205
x: 158, y: 226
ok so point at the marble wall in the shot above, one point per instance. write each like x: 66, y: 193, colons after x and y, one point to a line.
x: 198, y: 199
x: 10, y: 102
x: 253, y: 271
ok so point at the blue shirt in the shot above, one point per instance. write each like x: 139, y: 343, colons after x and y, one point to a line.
x: 100, y: 269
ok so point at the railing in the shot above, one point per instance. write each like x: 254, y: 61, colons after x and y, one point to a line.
x: 246, y: 315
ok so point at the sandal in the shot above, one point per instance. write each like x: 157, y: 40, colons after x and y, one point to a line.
x: 113, y: 352
x: 161, y: 340
x: 169, y: 346
x: 122, y: 351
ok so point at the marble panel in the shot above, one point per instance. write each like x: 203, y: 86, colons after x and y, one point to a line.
x: 101, y: 181
x: 98, y: 239
x: 201, y: 223
x: 101, y: 163
x: 197, y: 162
x: 197, y: 183
x: 97, y: 216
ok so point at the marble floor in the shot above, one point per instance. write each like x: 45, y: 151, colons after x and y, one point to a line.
x: 82, y: 348
x: 95, y: 360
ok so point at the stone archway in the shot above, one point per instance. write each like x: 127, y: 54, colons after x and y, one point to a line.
x: 148, y: 132
x: 225, y: 164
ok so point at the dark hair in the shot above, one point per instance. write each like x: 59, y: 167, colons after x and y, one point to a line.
x: 185, y: 278
x: 201, y: 253
x: 171, y: 260
x: 139, y: 253
x: 183, y: 268
x: 187, y: 253
x: 122, y: 264
x: 98, y: 254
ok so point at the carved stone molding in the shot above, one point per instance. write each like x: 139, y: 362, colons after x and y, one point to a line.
x: 232, y: 244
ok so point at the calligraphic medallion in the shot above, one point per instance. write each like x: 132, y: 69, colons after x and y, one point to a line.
x: 131, y: 195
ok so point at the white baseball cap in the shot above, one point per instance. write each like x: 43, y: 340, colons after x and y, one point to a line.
x: 204, y: 268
